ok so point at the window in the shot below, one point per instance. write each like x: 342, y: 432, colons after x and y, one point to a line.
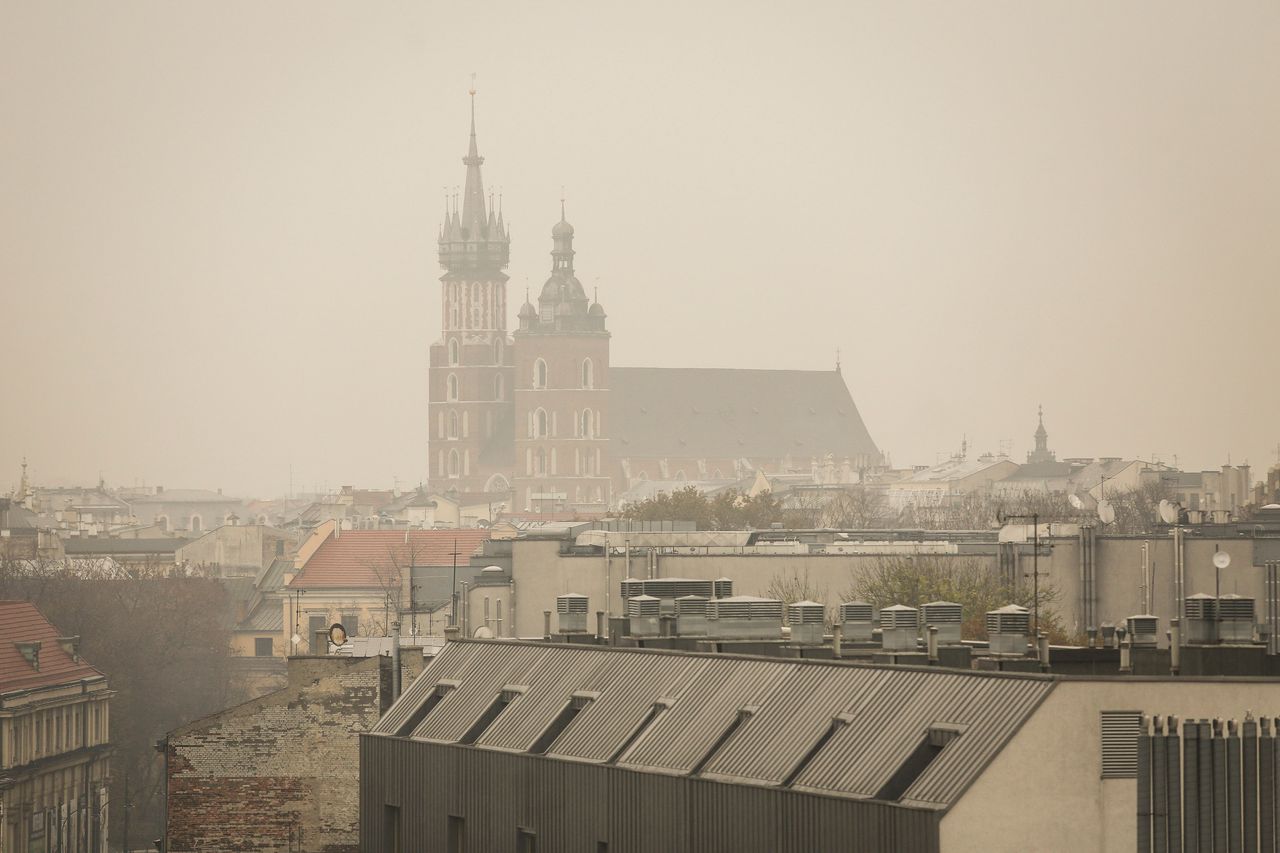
x: 453, y: 350
x: 837, y: 723
x: 415, y: 719
x: 539, y: 374
x: 741, y: 717
x: 1120, y: 744
x: 162, y: 521
x: 588, y: 374
x: 453, y: 463
x: 452, y: 387
x: 497, y: 351
x: 936, y: 739
x: 453, y: 425
x: 499, y: 387
x: 540, y: 462
x: 351, y: 623
x: 526, y: 841
x: 588, y: 424
x: 196, y: 524
x: 540, y: 423
x: 505, y: 698
x: 561, y: 722
x: 262, y: 647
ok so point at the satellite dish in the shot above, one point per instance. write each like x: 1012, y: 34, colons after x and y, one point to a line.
x: 1075, y: 501
x: 1221, y: 559
x: 1168, y: 512
x: 1106, y: 512
x: 483, y: 633
x: 337, y: 634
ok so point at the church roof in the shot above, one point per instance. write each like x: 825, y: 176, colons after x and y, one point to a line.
x: 724, y: 412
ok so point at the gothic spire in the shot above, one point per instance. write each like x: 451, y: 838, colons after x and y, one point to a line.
x: 473, y: 212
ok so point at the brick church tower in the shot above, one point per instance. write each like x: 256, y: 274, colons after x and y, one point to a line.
x: 470, y: 410
x: 561, y: 396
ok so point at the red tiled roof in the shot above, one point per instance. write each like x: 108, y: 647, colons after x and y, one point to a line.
x: 364, y: 558
x: 23, y: 623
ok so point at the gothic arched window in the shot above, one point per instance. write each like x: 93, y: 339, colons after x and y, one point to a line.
x: 453, y: 350
x: 499, y: 387
x: 453, y: 425
x: 588, y: 424
x: 539, y: 374
x: 540, y: 423
x: 588, y: 373
x: 452, y: 387
x: 497, y: 351
x: 453, y: 463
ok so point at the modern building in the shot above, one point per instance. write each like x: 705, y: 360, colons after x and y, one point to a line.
x: 541, y: 417
x: 501, y: 745
x: 54, y: 742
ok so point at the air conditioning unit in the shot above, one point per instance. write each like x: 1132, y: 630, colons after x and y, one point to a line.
x: 571, y: 610
x: 644, y: 613
x: 691, y: 616
x: 1008, y: 629
x: 899, y: 628
x: 1143, y: 629
x: 1200, y: 612
x: 807, y: 620
x: 947, y: 617
x: 1235, y: 619
x: 856, y: 621
x: 745, y: 617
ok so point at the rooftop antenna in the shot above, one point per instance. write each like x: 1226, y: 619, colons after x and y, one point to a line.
x: 837, y: 359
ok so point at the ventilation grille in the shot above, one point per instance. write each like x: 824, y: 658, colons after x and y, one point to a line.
x: 942, y: 613
x: 632, y: 588
x: 856, y: 611
x: 1120, y: 744
x: 642, y: 606
x: 1143, y: 625
x: 691, y: 605
x: 1200, y: 606
x: 1008, y: 620
x: 571, y: 603
x: 1236, y: 607
x: 806, y: 613
x: 899, y: 616
x: 722, y: 588
x: 747, y: 608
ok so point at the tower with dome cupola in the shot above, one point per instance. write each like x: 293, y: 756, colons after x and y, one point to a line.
x: 561, y: 392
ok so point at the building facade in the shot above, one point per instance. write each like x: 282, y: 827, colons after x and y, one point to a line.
x: 54, y: 753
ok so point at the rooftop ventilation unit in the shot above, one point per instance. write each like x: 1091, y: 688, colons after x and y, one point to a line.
x: 1008, y: 629
x: 644, y: 612
x: 1235, y: 619
x: 946, y: 616
x: 856, y: 620
x: 1200, y: 611
x: 807, y: 620
x: 691, y: 616
x: 571, y: 609
x: 745, y: 617
x: 899, y: 628
x: 722, y: 588
x: 1143, y: 629
x: 631, y: 587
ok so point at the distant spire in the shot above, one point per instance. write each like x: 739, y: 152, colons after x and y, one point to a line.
x: 837, y: 359
x: 473, y: 213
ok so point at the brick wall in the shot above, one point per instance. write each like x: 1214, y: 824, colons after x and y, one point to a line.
x: 279, y: 773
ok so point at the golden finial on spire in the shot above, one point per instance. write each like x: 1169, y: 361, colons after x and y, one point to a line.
x: 472, y: 90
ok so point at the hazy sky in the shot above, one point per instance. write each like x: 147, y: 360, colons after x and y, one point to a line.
x: 218, y: 219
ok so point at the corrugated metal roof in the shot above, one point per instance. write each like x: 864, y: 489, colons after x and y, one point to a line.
x: 888, y: 713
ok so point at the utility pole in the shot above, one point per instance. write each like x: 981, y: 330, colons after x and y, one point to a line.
x: 1035, y: 565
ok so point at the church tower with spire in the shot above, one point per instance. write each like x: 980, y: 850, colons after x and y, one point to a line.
x: 470, y: 393
x: 561, y: 393
x: 1042, y: 453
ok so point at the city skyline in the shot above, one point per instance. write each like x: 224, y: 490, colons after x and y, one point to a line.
x: 226, y: 270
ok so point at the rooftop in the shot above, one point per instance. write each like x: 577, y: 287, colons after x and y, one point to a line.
x: 725, y: 717
x: 23, y: 623
x: 363, y: 558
